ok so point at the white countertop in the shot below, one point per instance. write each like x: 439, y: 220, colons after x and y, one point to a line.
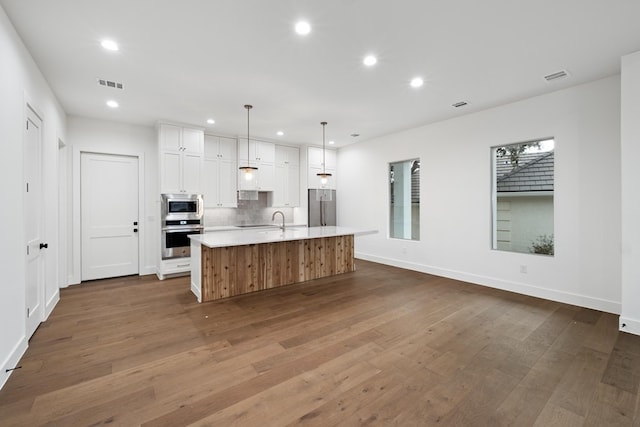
x: 239, y: 237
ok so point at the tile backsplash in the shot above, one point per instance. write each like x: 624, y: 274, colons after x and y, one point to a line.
x: 248, y: 212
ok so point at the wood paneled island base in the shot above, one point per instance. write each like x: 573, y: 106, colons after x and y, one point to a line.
x: 235, y: 270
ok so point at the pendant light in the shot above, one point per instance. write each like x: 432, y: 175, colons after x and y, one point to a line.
x: 324, y: 176
x: 248, y: 169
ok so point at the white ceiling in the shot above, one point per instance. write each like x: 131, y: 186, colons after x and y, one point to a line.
x: 190, y: 60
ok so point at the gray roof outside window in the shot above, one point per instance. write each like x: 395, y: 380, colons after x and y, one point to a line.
x: 534, y: 173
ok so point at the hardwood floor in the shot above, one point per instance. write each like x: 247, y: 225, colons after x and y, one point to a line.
x: 379, y: 346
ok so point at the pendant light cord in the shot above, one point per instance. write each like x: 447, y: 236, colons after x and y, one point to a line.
x: 324, y: 162
x: 248, y: 107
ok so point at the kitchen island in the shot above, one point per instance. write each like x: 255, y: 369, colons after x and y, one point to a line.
x: 229, y: 263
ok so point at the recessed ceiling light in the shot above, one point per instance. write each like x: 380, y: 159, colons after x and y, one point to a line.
x: 112, y: 104
x: 417, y: 82
x: 211, y: 121
x: 303, y: 28
x: 279, y: 133
x: 370, y: 60
x: 109, y: 45
x: 331, y: 142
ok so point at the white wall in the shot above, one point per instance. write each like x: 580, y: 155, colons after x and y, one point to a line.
x: 630, y: 316
x: 100, y: 136
x: 456, y: 196
x: 21, y: 81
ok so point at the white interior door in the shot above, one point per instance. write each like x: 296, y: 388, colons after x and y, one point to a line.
x: 33, y: 225
x: 109, y: 215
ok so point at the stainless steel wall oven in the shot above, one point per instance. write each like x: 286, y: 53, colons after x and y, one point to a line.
x: 182, y: 215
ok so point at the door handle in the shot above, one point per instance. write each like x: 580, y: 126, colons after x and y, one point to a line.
x: 135, y: 230
x: 44, y: 245
x: 135, y: 222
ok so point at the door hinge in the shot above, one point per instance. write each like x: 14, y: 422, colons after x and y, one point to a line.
x: 27, y: 124
x: 27, y: 187
x: 27, y: 312
x: 27, y: 249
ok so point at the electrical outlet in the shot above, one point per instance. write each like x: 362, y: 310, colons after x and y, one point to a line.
x: 523, y: 269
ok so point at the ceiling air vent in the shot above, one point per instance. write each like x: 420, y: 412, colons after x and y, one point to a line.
x: 109, y: 83
x: 555, y: 76
x: 459, y: 104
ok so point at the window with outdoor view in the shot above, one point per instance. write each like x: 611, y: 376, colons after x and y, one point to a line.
x: 522, y: 197
x: 404, y: 200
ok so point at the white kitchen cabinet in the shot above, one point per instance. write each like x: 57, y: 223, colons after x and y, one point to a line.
x: 181, y: 153
x: 263, y: 178
x: 262, y: 156
x: 177, y: 266
x: 315, y: 157
x: 286, y: 191
x: 170, y: 138
x: 192, y: 141
x: 191, y: 173
x: 286, y: 155
x: 259, y: 151
x: 315, y: 166
x: 219, y: 183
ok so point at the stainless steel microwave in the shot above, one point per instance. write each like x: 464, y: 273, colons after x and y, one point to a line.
x: 181, y: 207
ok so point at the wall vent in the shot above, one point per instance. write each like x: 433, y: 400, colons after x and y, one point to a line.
x: 110, y: 83
x: 459, y: 104
x: 557, y: 75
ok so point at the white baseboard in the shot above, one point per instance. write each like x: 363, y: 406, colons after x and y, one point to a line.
x: 75, y: 279
x: 65, y: 283
x: 12, y: 360
x: 196, y: 290
x: 51, y: 304
x: 492, y: 282
x: 630, y: 325
x: 149, y: 269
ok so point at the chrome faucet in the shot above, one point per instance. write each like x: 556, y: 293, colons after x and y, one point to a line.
x: 273, y: 217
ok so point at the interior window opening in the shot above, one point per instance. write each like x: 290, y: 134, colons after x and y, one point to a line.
x: 522, y: 196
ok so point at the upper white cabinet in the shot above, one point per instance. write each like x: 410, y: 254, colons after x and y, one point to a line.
x: 286, y: 192
x: 315, y: 166
x: 259, y: 151
x: 315, y: 157
x: 170, y: 137
x: 261, y: 155
x: 219, y: 183
x: 287, y: 155
x: 181, y: 152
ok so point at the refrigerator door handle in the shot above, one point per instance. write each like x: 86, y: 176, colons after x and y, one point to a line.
x: 324, y: 213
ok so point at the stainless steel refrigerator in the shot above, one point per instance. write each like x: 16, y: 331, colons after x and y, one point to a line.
x: 322, y: 207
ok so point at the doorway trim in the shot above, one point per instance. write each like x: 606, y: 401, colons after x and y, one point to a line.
x: 31, y: 110
x: 77, y: 217
x: 64, y: 277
